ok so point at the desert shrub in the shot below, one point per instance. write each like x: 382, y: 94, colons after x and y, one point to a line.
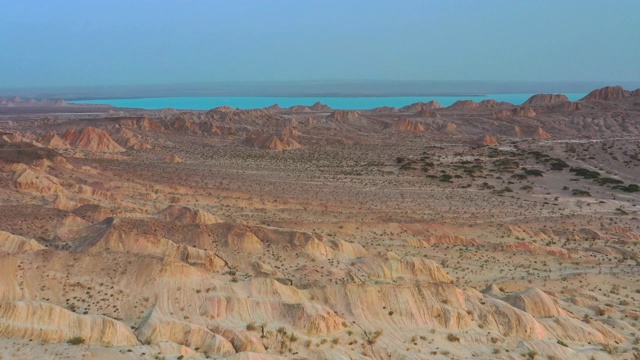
x: 558, y: 165
x: 631, y: 188
x: 452, y: 337
x: 608, y: 181
x: 76, y: 340
x: 560, y: 342
x: 578, y: 192
x: 585, y: 173
x: 534, y: 172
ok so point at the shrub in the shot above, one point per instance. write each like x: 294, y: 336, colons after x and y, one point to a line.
x: 578, y: 192
x: 533, y: 172
x: 558, y: 165
x: 585, y: 173
x: 607, y: 181
x: 560, y: 342
x: 453, y: 338
x: 76, y: 340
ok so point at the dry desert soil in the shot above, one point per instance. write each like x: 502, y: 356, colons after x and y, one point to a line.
x: 477, y: 231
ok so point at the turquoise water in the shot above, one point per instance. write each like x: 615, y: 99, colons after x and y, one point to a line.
x: 206, y: 103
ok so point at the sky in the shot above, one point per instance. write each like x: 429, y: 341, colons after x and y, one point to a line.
x: 139, y: 42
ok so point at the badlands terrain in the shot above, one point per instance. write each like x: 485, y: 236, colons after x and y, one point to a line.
x: 477, y: 231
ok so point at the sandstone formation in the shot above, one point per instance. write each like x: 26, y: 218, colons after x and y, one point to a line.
x: 91, y: 139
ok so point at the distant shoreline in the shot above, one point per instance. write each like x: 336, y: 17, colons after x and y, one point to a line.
x: 334, y: 102
x: 310, y: 96
x: 328, y: 88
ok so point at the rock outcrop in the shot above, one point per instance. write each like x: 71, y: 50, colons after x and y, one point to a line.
x: 405, y: 124
x: 10, y: 243
x: 91, y: 139
x: 545, y: 99
x: 523, y: 111
x: 46, y: 322
x: 184, y: 214
x: 344, y: 115
x: 51, y: 140
x: 607, y: 93
x: 318, y: 106
x: 143, y: 123
x: 464, y: 105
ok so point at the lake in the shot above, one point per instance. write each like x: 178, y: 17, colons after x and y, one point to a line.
x: 358, y: 103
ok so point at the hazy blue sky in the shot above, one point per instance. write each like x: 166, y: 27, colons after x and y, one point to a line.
x: 117, y: 42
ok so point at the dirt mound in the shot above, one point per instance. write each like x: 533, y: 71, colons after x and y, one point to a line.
x: 269, y: 141
x: 464, y: 105
x: 127, y: 139
x: 545, y: 99
x: 533, y: 248
x: 344, y: 115
x: 392, y: 267
x: 446, y: 239
x: 10, y: 243
x: 32, y: 180
x: 493, y: 104
x: 113, y: 235
x: 184, y: 214
x: 45, y: 322
x: 318, y: 106
x: 385, y: 110
x: 237, y: 116
x: 91, y: 139
x: 523, y: 111
x: 299, y: 109
x: 607, y: 93
x: 172, y: 159
x: 541, y: 134
x: 489, y: 140
x: 405, y: 124
x: 425, y: 114
x: 415, y: 107
x: 290, y: 132
x: 535, y: 302
x: 517, y: 132
x: 450, y: 129
x: 569, y: 106
x: 142, y: 123
x: 51, y: 140
x: 25, y: 153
